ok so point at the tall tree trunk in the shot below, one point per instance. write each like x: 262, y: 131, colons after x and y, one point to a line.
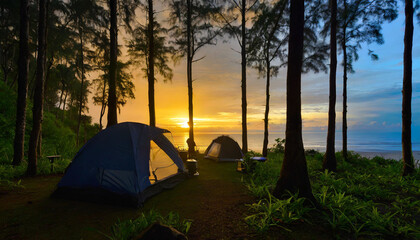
x: 407, y: 90
x: 190, y: 142
x: 39, y: 90
x: 243, y: 85
x: 61, y: 100
x: 101, y: 116
x: 267, y: 103
x: 103, y: 106
x: 39, y: 148
x: 294, y: 173
x: 344, y: 128
x: 112, y: 91
x: 151, y: 70
x: 23, y: 69
x: 64, y: 106
x: 330, y: 161
x: 82, y: 77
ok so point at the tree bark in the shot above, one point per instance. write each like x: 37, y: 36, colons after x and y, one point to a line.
x: 243, y: 84
x: 330, y: 161
x: 191, y: 142
x: 23, y: 70
x: 82, y: 77
x: 112, y: 92
x: 103, y: 106
x: 151, y: 70
x: 344, y: 127
x: 267, y: 103
x: 61, y: 98
x: 39, y: 90
x: 407, y: 91
x: 64, y: 106
x: 294, y: 173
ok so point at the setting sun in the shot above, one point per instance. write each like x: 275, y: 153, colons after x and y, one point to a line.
x: 184, y: 124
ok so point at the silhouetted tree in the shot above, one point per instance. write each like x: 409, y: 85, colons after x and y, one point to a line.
x: 84, y: 16
x: 330, y: 162
x: 294, y: 173
x: 23, y: 69
x: 148, y: 47
x: 192, y: 30
x: 360, y: 21
x: 37, y: 109
x: 238, y: 9
x: 112, y: 95
x: 151, y: 63
x: 9, y: 39
x: 266, y: 46
x: 124, y: 88
x: 407, y: 90
x: 125, y: 10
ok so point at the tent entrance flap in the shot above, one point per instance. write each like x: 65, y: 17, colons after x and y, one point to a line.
x: 214, y: 150
x: 161, y: 165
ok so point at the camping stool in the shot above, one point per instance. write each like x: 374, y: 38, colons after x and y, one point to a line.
x: 52, y: 158
x: 192, y: 167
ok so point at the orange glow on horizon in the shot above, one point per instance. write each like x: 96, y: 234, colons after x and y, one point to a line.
x: 184, y: 124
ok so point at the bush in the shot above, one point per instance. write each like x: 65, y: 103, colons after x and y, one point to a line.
x: 278, y: 147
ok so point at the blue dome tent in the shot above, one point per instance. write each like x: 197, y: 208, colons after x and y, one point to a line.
x: 123, y: 164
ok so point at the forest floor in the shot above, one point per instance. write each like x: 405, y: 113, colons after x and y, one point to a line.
x: 215, y: 201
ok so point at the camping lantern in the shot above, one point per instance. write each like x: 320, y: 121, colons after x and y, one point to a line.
x: 192, y: 167
x: 240, y: 166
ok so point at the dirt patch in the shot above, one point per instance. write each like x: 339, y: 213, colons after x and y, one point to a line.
x: 215, y: 201
x: 221, y: 212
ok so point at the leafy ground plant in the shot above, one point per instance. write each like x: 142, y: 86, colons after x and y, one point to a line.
x: 365, y: 197
x: 130, y: 228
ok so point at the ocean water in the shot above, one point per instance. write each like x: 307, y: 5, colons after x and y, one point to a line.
x: 357, y: 141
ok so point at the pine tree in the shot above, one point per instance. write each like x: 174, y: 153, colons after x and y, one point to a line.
x: 192, y: 29
x: 294, y: 173
x: 37, y: 110
x: 407, y: 90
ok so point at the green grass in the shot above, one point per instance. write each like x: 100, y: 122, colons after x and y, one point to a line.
x: 364, y: 198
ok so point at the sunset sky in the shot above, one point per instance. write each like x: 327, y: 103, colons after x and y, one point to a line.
x: 374, y: 92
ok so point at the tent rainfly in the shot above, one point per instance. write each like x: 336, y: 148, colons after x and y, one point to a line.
x: 224, y: 149
x: 124, y: 164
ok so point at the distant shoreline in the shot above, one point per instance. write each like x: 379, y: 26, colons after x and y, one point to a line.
x: 396, y: 155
